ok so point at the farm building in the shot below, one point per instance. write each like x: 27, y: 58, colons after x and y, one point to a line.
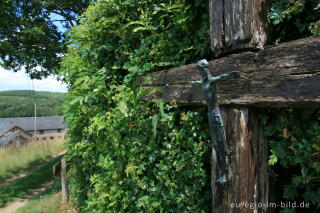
x: 11, y: 134
x: 47, y: 128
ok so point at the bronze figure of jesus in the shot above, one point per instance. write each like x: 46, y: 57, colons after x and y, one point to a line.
x: 218, y: 136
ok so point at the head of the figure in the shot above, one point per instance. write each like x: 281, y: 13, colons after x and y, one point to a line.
x: 203, y: 67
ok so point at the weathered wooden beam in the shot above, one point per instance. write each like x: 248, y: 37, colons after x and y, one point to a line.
x: 238, y: 24
x: 249, y: 187
x: 287, y: 75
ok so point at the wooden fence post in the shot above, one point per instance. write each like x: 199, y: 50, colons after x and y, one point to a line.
x: 64, y: 182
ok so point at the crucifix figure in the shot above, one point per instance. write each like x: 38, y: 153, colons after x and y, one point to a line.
x: 218, y: 136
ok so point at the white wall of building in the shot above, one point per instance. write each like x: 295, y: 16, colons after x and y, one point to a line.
x: 50, y: 134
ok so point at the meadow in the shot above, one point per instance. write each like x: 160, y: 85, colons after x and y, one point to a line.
x: 14, y: 160
x: 49, y: 201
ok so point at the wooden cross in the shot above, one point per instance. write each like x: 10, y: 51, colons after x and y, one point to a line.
x: 286, y: 75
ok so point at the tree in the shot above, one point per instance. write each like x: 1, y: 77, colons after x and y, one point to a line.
x: 29, y: 36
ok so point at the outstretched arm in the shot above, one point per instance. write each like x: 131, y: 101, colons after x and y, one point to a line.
x: 196, y: 83
x: 222, y: 77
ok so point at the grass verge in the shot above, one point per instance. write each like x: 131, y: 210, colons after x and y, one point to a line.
x: 14, y: 160
x: 24, y: 186
x: 49, y: 201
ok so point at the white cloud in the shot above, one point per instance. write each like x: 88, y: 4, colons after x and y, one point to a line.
x: 19, y: 81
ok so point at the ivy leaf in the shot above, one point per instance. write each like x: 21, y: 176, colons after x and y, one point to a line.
x: 123, y: 108
x: 304, y: 171
x: 272, y: 159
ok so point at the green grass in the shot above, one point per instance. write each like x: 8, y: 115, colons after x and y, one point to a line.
x: 47, y: 202
x: 14, y: 160
x: 26, y: 185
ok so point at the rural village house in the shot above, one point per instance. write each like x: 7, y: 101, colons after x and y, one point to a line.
x: 48, y: 128
x: 11, y: 134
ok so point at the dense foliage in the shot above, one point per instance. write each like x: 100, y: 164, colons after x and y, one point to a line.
x: 295, y: 145
x: 20, y: 103
x: 30, y: 36
x: 127, y: 155
x: 293, y: 19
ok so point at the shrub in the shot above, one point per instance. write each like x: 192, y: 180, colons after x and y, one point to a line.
x: 128, y: 155
x: 293, y: 19
x: 295, y: 146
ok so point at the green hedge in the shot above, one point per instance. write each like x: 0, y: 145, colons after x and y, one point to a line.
x: 127, y: 155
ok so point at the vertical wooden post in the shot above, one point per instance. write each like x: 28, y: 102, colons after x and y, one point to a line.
x: 238, y: 24
x: 64, y: 183
x: 248, y: 188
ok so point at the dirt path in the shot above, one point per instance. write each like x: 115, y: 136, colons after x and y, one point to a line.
x: 13, y: 207
x: 7, y: 181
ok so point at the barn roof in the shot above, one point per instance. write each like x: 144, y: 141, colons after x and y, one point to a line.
x: 43, y: 123
x: 5, y: 127
x: 8, y: 138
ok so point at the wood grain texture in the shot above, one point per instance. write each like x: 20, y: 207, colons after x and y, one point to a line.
x: 216, y: 25
x: 287, y: 75
x: 249, y: 181
x: 238, y: 24
x: 264, y: 176
x: 64, y: 182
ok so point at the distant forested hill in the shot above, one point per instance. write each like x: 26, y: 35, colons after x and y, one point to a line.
x: 20, y: 103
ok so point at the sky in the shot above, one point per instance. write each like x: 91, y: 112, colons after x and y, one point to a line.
x: 19, y: 81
